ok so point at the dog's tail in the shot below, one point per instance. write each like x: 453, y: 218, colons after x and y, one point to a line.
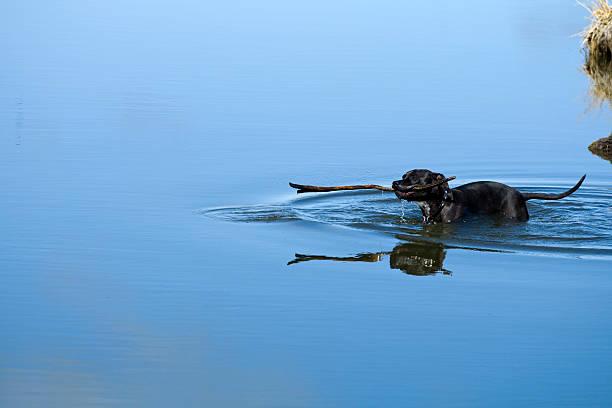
x: 540, y: 196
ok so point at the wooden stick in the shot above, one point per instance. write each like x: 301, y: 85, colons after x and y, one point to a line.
x: 437, y: 183
x: 312, y: 189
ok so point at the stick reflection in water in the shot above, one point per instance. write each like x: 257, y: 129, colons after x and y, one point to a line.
x: 417, y: 258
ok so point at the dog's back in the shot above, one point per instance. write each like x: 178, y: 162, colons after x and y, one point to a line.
x: 490, y: 197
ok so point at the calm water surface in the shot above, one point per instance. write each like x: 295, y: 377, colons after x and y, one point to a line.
x: 154, y: 255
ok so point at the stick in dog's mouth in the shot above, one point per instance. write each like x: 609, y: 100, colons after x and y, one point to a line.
x: 409, y: 189
x: 302, y: 188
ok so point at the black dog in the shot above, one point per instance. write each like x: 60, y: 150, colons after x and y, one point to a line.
x: 440, y: 203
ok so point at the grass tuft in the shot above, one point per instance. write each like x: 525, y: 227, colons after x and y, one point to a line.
x: 597, y: 46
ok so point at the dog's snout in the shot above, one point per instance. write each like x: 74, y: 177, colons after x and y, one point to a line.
x: 399, y: 185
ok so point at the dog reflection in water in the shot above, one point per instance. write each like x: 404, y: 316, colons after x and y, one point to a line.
x: 414, y: 258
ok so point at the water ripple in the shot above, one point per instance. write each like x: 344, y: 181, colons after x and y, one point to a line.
x: 579, y: 225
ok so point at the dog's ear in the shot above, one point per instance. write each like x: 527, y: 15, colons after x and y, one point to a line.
x: 447, y: 191
x: 449, y: 195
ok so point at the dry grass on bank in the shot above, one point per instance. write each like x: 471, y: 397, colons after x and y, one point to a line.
x: 597, y: 45
x: 597, y: 41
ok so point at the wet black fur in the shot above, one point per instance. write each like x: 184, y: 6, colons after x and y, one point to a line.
x: 481, y: 197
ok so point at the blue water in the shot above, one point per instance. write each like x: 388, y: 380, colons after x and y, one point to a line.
x: 153, y: 253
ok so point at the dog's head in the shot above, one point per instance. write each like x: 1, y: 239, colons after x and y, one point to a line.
x: 414, y: 186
